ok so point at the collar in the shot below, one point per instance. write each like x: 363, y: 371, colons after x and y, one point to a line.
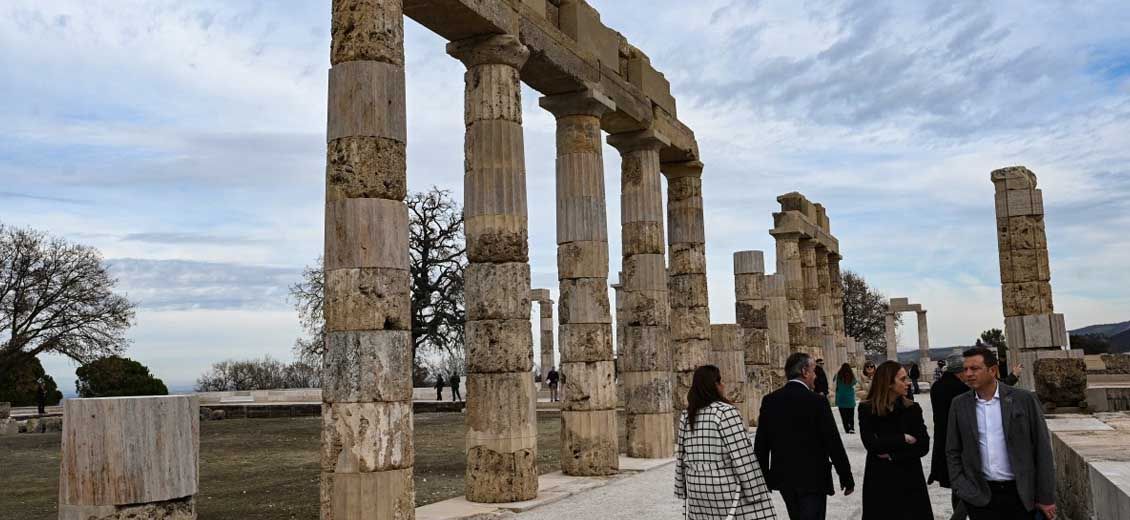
x: 802, y: 383
x: 996, y: 395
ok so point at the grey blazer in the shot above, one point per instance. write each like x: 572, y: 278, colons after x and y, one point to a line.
x: 1029, y: 448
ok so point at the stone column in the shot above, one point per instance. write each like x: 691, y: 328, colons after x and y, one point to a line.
x: 752, y: 310
x: 842, y: 346
x: 501, y: 422
x: 924, y: 363
x: 778, y: 329
x: 588, y: 413
x: 813, y: 331
x: 133, y: 457
x: 687, y: 290
x: 545, y: 330
x: 367, y: 393
x: 789, y: 266
x: 824, y: 302
x: 892, y: 343
x: 645, y: 355
x: 727, y: 355
x: 1032, y: 328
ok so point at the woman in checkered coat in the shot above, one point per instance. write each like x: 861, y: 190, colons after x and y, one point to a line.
x: 716, y: 472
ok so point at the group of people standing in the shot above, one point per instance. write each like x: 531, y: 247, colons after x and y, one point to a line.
x: 991, y: 445
x: 452, y: 381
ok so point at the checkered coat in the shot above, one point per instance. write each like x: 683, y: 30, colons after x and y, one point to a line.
x: 716, y: 472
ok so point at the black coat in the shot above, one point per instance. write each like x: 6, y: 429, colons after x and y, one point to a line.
x: 895, y: 488
x: 821, y: 384
x: 797, y: 443
x: 942, y: 393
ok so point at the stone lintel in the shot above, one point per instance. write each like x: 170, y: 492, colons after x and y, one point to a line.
x: 649, y: 139
x: 675, y: 170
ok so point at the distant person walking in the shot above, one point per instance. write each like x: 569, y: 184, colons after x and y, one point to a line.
x: 454, y: 382
x: 797, y: 443
x: 552, y: 379
x: 998, y: 449
x: 942, y: 392
x: 915, y: 375
x: 845, y: 397
x: 821, y: 386
x: 439, y: 387
x: 716, y: 471
x: 41, y: 396
x: 896, y: 439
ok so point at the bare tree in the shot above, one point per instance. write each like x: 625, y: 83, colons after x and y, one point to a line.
x: 865, y: 313
x: 257, y: 374
x: 57, y: 297
x: 308, y: 296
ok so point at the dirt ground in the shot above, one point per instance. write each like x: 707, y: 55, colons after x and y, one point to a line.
x: 259, y: 469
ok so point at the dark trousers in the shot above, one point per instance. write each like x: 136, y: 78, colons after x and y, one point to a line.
x: 439, y: 394
x: 1005, y: 504
x: 848, y: 417
x: 914, y: 386
x: 455, y: 393
x: 959, y: 509
x: 805, y: 505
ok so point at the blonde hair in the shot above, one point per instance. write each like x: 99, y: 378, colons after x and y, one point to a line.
x: 881, y: 396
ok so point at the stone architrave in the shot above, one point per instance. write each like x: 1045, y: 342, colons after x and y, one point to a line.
x: 645, y: 353
x: 752, y: 311
x: 545, y: 330
x: 130, y: 457
x: 778, y: 328
x: 686, y: 281
x: 589, y: 439
x: 501, y: 421
x: 1032, y: 327
x: 896, y: 307
x: 727, y: 355
x: 368, y: 361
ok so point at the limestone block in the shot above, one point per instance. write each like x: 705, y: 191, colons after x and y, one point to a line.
x: 684, y: 222
x: 731, y: 364
x: 495, y: 192
x: 367, y: 366
x: 645, y: 308
x: 491, y: 49
x: 687, y: 355
x: 690, y: 323
x: 1062, y: 382
x: 499, y: 346
x: 749, y: 287
x: 367, y: 30
x: 650, y: 436
x: 492, y: 92
x: 129, y: 450
x: 1026, y: 232
x: 497, y: 238
x: 652, y: 82
x: 365, y: 167
x: 749, y: 262
x: 366, y: 99
x: 644, y: 349
x: 1028, y: 358
x: 497, y: 291
x: 1019, y: 202
x: 1116, y: 363
x: 646, y: 392
x: 687, y: 258
x: 1013, y: 178
x: 500, y: 412
x: 377, y: 495
x: 366, y: 233
x: 579, y: 133
x: 753, y: 314
x: 1026, y: 298
x: 581, y: 212
x: 1000, y: 199
x: 1005, y: 257
x: 494, y: 477
x: 644, y: 273
x: 537, y: 6
x: 586, y: 342
x: 723, y: 337
x: 1029, y: 265
x: 367, y: 299
x: 681, y: 382
x: 175, y: 509
x: 589, y: 443
x: 688, y: 290
x: 588, y: 386
x: 584, y: 300
x: 581, y: 22
x: 366, y: 437
x: 754, y: 343
x: 584, y: 259
x: 541, y: 295
x: 641, y: 238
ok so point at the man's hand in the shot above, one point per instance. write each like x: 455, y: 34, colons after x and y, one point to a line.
x: 1017, y: 369
x: 909, y: 438
x: 1048, y: 510
x: 849, y: 490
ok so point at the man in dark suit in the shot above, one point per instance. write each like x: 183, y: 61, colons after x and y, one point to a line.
x: 796, y: 438
x: 821, y: 385
x: 947, y: 386
x: 998, y: 449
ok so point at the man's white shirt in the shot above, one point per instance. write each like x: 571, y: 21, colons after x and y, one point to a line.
x: 990, y: 438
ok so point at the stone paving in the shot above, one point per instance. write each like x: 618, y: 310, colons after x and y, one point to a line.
x: 650, y: 494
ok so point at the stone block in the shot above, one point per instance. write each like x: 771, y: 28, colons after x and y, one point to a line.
x: 367, y: 30
x: 499, y: 346
x: 1061, y: 382
x: 540, y: 295
x: 684, y: 222
x: 500, y: 477
x: 644, y: 349
x: 749, y: 262
x: 641, y: 238
x: 175, y: 509
x: 497, y: 238
x: 367, y: 366
x: 589, y: 443
x: 584, y: 300
x: 749, y: 287
x: 688, y: 290
x: 1026, y: 232
x: 585, y: 342
x: 1019, y: 202
x: 578, y: 132
x: 365, y: 167
x: 690, y: 323
x: 1001, y: 204
x: 492, y: 92
x: 753, y: 314
x: 687, y: 355
x: 1116, y: 363
x: 366, y: 233
x: 536, y: 6
x: 645, y: 307
x: 688, y: 258
x: 723, y: 337
x: 681, y: 384
x: 366, y: 99
x: 588, y: 386
x: 377, y: 495
x: 500, y: 411
x: 497, y: 291
x: 650, y: 436
x: 583, y: 259
x: 1021, y: 299
x: 1030, y: 265
x: 651, y: 82
x: 367, y: 299
x: 754, y: 343
x: 644, y: 273
x: 581, y: 22
x: 366, y: 437
x: 646, y: 392
x: 9, y: 426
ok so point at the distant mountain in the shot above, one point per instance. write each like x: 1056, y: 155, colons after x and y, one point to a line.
x: 1108, y: 330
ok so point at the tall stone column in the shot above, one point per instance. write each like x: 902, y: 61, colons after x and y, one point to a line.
x: 752, y: 311
x: 727, y: 355
x: 589, y: 440
x: 778, y: 328
x: 545, y: 330
x: 838, y: 329
x: 367, y: 451
x: 645, y: 355
x: 1032, y: 327
x: 813, y: 331
x: 501, y: 423
x: 687, y: 290
x: 924, y: 363
x: 824, y: 303
x: 889, y: 334
x: 790, y: 267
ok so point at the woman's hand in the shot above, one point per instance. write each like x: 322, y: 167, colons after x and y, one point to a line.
x: 909, y: 438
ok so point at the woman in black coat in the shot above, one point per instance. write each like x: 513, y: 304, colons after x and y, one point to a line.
x: 896, y: 439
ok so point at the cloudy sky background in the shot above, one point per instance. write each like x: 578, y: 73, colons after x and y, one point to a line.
x: 186, y: 142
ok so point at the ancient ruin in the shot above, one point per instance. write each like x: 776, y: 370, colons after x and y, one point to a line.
x: 751, y: 307
x: 894, y: 308
x: 545, y: 331
x: 726, y: 354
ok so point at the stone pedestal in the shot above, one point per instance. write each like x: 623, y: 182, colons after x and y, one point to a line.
x: 752, y: 311
x: 129, y: 457
x: 501, y: 424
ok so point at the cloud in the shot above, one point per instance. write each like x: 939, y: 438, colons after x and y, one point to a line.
x: 187, y: 238
x: 172, y: 285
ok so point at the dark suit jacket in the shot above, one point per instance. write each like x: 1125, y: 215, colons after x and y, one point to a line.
x: 796, y: 438
x: 942, y: 393
x: 1029, y: 448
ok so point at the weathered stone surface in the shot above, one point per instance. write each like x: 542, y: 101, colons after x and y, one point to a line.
x: 641, y: 238
x: 578, y: 134
x: 723, y: 337
x: 753, y: 314
x: 494, y: 477
x: 584, y: 300
x: 495, y: 192
x: 490, y: 49
x: 367, y: 437
x: 644, y: 273
x: 367, y: 366
x: 499, y: 346
x: 688, y: 258
x: 754, y: 343
x: 650, y: 436
x: 749, y: 287
x: 365, y: 167
x: 367, y: 30
x: 689, y: 323
x: 588, y: 386
x: 646, y: 392
x: 366, y: 233
x: 366, y: 99
x: 9, y: 426
x: 681, y: 385
x: 589, y: 443
x: 500, y: 411
x: 497, y: 291
x: 1027, y: 232
x: 493, y: 92
x: 586, y: 342
x: 367, y: 299
x: 645, y: 308
x: 1061, y: 382
x: 582, y: 259
x: 1021, y: 299
x: 378, y: 495
x: 176, y: 509
x: 688, y: 290
x: 689, y: 354
x: 645, y: 349
x: 1116, y: 363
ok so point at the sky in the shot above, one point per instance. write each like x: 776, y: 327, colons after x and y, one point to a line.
x: 186, y: 141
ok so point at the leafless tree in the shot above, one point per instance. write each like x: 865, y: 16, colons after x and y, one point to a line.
x: 865, y: 313
x: 57, y: 297
x: 257, y: 374
x: 308, y: 296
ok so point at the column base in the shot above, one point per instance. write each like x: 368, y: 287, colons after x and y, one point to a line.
x: 494, y: 477
x: 650, y: 436
x: 175, y: 509
x: 590, y: 443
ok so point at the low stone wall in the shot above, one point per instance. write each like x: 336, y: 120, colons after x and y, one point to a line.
x: 1092, y: 458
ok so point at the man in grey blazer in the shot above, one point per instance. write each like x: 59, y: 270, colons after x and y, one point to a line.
x: 998, y: 449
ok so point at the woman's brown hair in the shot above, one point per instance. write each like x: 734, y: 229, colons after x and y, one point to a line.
x: 703, y: 391
x: 881, y: 396
x: 845, y: 375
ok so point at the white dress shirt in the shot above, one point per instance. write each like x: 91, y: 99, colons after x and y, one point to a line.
x: 990, y: 439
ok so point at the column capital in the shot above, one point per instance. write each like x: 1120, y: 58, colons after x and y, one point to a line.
x: 677, y: 170
x: 649, y: 139
x: 495, y: 49
x: 749, y: 262
x: 588, y: 102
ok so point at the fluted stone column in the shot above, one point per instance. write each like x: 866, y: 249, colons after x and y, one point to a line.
x: 924, y: 363
x: 687, y: 289
x: 838, y: 329
x: 545, y: 330
x: 778, y: 328
x: 367, y: 452
x: 589, y: 430
x: 813, y: 331
x: 645, y: 355
x: 889, y: 334
x: 501, y: 423
x: 824, y: 303
x: 752, y: 310
x: 727, y: 355
x: 790, y: 267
